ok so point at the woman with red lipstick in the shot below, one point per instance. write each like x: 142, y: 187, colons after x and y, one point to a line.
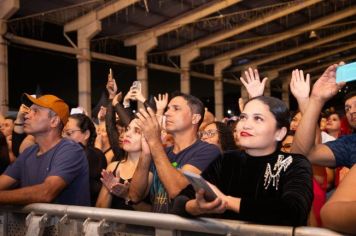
x: 261, y: 183
x: 116, y: 178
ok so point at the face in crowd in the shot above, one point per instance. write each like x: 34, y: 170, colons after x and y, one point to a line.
x: 72, y: 131
x: 132, y: 137
x: 179, y: 116
x: 333, y: 123
x: 210, y: 134
x: 6, y: 127
x: 295, y: 121
x: 350, y: 111
x: 263, y: 123
x: 39, y: 120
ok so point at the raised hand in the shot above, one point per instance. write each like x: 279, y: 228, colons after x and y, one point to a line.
x: 149, y: 125
x: 326, y: 87
x: 161, y: 101
x: 111, y: 86
x: 131, y: 95
x: 23, y: 110
x: 102, y: 114
x: 299, y: 86
x: 117, y: 99
x: 252, y: 83
x: 137, y: 95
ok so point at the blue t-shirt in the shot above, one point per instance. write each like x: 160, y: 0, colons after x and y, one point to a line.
x: 344, y: 149
x: 66, y: 159
x: 200, y: 155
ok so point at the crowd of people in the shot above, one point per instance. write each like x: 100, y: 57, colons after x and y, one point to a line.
x: 265, y: 166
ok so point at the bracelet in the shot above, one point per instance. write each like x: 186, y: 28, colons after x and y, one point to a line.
x: 18, y: 124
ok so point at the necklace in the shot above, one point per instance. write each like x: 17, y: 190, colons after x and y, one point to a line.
x: 281, y: 164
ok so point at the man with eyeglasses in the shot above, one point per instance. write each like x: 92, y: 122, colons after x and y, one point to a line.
x: 54, y: 170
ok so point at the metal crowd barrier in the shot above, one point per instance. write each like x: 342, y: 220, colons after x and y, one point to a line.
x: 51, y: 219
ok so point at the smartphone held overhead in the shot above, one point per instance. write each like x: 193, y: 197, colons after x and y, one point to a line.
x: 346, y: 73
x: 136, y: 85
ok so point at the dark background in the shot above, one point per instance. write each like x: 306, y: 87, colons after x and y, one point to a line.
x: 56, y: 73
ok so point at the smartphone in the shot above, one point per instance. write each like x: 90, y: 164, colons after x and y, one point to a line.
x: 199, y: 182
x: 346, y: 73
x: 136, y: 85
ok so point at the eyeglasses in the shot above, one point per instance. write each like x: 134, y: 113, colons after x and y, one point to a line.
x: 69, y: 133
x: 208, y: 134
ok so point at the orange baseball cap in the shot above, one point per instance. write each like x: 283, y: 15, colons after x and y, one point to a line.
x: 51, y: 102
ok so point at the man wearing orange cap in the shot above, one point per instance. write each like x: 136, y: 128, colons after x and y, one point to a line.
x: 54, y: 170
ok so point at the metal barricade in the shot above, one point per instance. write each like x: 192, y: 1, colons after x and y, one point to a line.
x: 52, y: 219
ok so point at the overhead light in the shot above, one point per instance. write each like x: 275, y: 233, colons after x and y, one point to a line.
x: 313, y: 34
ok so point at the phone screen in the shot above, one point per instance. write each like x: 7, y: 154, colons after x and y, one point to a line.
x: 346, y: 73
x: 136, y: 85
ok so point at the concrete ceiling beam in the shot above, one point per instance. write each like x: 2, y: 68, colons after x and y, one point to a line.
x: 240, y: 28
x: 98, y: 14
x: 278, y: 55
x: 180, y: 21
x: 287, y: 34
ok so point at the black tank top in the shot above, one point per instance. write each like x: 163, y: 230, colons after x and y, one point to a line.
x: 118, y: 202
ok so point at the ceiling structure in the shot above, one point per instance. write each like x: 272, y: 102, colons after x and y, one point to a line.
x: 276, y: 36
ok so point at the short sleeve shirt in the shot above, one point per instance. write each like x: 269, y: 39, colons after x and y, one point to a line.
x: 200, y: 155
x: 66, y: 159
x: 344, y: 149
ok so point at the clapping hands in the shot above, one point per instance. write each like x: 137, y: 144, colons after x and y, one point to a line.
x: 113, y: 184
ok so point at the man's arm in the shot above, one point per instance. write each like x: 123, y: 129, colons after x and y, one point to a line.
x: 6, y: 182
x: 142, y: 178
x: 304, y: 140
x: 339, y: 213
x: 172, y: 179
x: 45, y: 192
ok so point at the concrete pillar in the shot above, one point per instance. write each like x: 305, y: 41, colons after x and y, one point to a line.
x: 271, y: 76
x: 7, y: 9
x: 4, y: 86
x: 219, y: 88
x: 141, y: 56
x: 285, y: 90
x: 185, y: 60
x: 85, y: 34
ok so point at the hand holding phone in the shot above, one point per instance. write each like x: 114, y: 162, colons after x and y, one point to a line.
x: 346, y: 73
x: 199, y: 182
x: 136, y: 85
